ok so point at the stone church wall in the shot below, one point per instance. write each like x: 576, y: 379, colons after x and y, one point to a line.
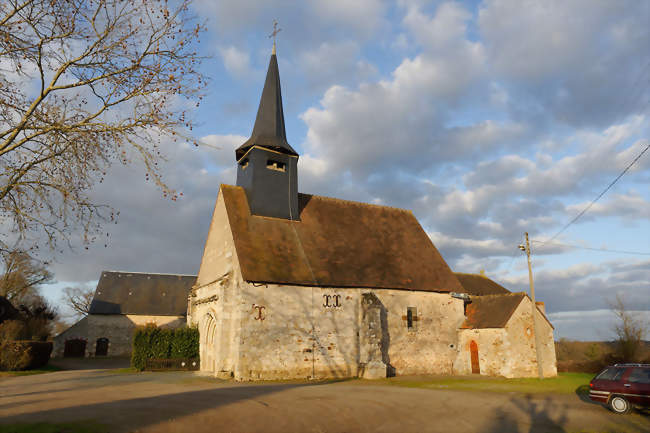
x: 300, y: 332
x: 214, y: 302
x: 493, y: 351
x: 522, y: 353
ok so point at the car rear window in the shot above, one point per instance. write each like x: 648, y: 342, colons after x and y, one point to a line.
x: 640, y: 375
x: 612, y: 373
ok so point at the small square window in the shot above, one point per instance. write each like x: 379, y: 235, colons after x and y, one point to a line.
x: 244, y: 163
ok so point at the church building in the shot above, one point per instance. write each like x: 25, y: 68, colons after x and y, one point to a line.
x: 295, y: 285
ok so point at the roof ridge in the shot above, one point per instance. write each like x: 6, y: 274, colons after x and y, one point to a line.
x: 361, y: 203
x: 502, y: 294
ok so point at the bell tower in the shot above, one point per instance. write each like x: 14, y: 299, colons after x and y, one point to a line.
x: 267, y: 166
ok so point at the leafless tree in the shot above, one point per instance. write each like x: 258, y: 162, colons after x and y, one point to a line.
x: 21, y: 277
x: 83, y: 84
x: 78, y: 299
x: 630, y: 331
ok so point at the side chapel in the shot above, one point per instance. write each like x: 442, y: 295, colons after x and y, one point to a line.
x: 295, y: 285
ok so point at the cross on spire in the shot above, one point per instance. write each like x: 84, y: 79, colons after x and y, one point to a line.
x: 276, y: 30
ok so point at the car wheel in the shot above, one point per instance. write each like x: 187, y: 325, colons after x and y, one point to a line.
x: 619, y: 405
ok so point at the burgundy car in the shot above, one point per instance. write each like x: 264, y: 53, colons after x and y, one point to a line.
x: 622, y: 386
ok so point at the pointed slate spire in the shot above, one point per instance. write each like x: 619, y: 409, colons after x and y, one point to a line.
x: 269, y: 129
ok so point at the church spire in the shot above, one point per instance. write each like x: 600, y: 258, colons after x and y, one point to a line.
x: 267, y: 167
x: 269, y: 131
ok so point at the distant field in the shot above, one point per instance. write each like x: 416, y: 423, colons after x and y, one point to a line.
x: 565, y: 383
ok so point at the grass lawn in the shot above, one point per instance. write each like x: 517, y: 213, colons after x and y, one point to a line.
x: 564, y: 383
x: 67, y: 427
x: 126, y: 370
x: 46, y: 369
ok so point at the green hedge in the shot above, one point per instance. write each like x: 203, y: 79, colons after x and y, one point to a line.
x: 152, y: 342
x: 24, y: 355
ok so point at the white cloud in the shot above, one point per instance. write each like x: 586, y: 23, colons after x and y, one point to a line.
x: 236, y: 62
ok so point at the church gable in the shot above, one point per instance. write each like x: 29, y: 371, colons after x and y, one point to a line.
x: 336, y: 243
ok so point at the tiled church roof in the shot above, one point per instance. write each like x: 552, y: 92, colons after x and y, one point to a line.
x: 336, y: 243
x: 477, y: 285
x: 139, y: 293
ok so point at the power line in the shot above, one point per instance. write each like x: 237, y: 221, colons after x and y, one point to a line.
x: 637, y: 253
x: 599, y: 196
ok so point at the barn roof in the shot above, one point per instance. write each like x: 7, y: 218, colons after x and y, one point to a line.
x: 336, y: 243
x: 140, y: 293
x: 478, y: 285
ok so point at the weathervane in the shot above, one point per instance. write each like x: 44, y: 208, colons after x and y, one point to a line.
x: 276, y: 30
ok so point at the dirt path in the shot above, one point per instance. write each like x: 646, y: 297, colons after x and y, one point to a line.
x: 183, y: 402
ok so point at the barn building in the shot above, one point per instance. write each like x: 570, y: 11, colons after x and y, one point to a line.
x: 295, y: 285
x: 123, y: 301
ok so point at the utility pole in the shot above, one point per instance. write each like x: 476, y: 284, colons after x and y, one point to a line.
x: 526, y: 248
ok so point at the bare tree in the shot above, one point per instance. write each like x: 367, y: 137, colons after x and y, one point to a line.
x: 22, y: 275
x: 78, y: 299
x: 83, y: 84
x: 629, y: 329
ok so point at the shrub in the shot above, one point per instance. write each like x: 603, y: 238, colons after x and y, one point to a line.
x: 11, y: 330
x: 185, y: 343
x: 151, y: 342
x: 24, y: 355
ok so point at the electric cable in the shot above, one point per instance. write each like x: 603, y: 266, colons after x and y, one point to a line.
x: 636, y: 253
x: 566, y: 226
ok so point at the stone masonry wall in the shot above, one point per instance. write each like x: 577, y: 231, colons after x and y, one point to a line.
x: 119, y: 330
x: 522, y: 352
x: 493, y: 351
x: 300, y: 332
x: 213, y: 303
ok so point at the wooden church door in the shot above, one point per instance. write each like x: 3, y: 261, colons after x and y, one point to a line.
x: 473, y: 349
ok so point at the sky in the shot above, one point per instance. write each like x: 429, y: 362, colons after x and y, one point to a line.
x: 486, y: 118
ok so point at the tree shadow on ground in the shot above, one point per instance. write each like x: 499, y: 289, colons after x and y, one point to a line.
x: 137, y: 413
x: 542, y: 416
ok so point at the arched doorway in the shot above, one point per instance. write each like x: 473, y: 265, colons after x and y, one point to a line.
x: 473, y: 350
x: 208, y: 339
x: 101, y: 348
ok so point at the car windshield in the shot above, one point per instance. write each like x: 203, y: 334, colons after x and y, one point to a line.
x: 611, y: 373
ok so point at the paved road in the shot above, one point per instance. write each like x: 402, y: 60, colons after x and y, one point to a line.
x: 183, y: 402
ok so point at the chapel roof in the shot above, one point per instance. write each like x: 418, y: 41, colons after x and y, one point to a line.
x: 491, y: 311
x: 269, y: 131
x: 141, y: 293
x: 478, y: 285
x: 336, y: 243
x: 494, y: 311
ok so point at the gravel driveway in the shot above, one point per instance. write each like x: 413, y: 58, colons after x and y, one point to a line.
x: 185, y: 402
